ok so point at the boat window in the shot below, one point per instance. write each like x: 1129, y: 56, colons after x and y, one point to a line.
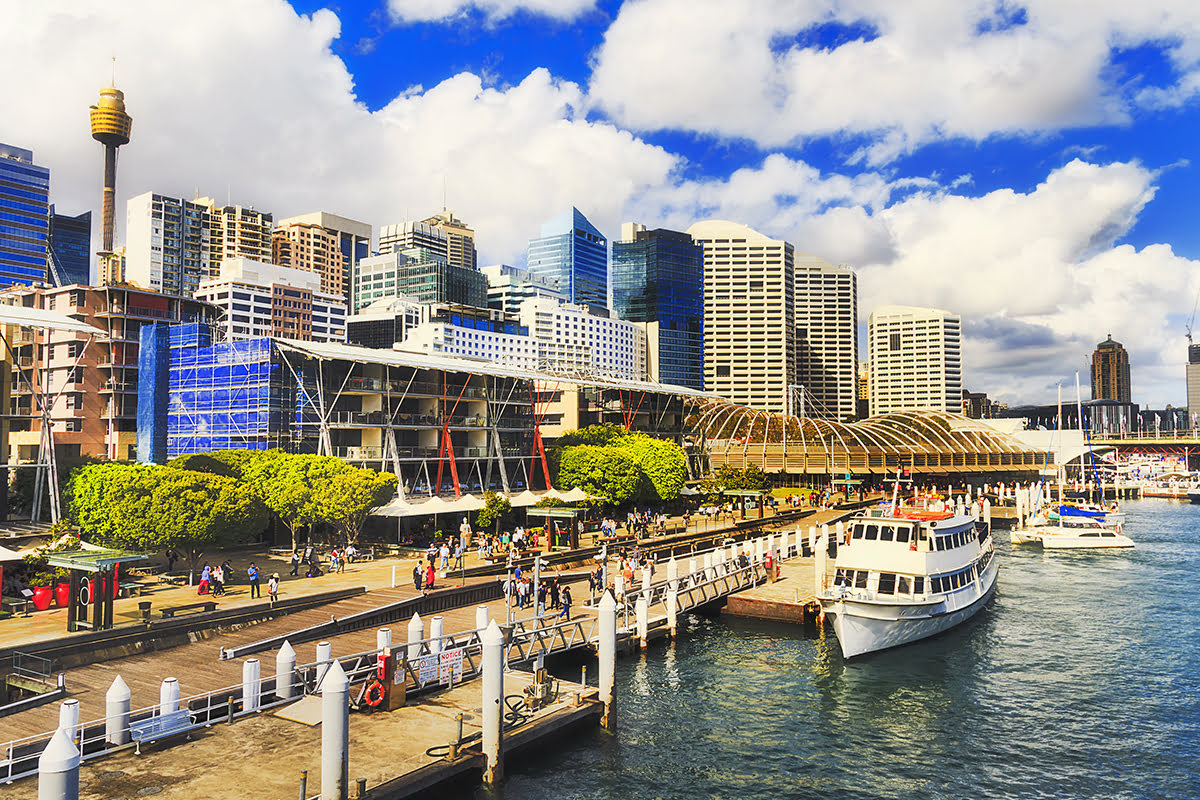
x: 886, y: 532
x: 860, y: 579
x: 872, y: 532
x: 902, y: 533
x: 902, y: 584
x: 858, y: 531
x: 919, y: 584
x: 887, y: 583
x: 839, y: 578
x: 938, y: 583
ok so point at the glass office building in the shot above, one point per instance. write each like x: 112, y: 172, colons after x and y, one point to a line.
x: 658, y: 280
x: 24, y: 203
x: 572, y: 252
x: 70, y: 248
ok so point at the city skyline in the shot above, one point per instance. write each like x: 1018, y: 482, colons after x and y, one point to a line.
x: 1045, y: 216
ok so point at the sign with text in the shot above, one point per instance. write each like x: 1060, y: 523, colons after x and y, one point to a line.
x: 451, y: 667
x: 427, y: 669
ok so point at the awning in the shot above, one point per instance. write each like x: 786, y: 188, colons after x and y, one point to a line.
x: 91, y: 559
x: 688, y: 491
x: 37, y: 318
x: 7, y: 555
x: 578, y: 495
x: 524, y: 499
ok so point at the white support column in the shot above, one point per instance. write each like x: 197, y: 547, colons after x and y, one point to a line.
x: 251, y: 684
x: 820, y: 563
x: 646, y: 581
x: 116, y: 712
x: 481, y: 618
x: 812, y: 538
x: 324, y: 657
x: 492, y: 698
x: 285, y: 671
x: 672, y: 600
x: 606, y: 649
x: 168, y: 697
x: 383, y: 638
x: 692, y: 567
x: 416, y: 632
x: 825, y: 536
x: 643, y: 621
x: 335, y: 734
x: 435, y: 634
x: 987, y: 512
x: 68, y: 718
x: 673, y: 573
x: 58, y: 769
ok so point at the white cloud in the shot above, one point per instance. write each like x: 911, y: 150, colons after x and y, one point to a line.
x: 908, y: 73
x: 493, y: 10
x: 244, y: 98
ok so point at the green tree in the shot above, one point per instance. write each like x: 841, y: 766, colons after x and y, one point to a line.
x: 147, y: 507
x: 594, y: 435
x: 352, y: 494
x: 663, y: 462
x: 295, y: 487
x: 608, y: 471
x: 496, y: 509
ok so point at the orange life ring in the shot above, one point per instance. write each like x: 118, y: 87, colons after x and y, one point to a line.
x: 374, y: 695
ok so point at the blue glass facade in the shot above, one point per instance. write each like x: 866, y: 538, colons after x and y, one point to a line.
x: 659, y: 278
x: 24, y: 204
x: 572, y: 252
x: 70, y: 246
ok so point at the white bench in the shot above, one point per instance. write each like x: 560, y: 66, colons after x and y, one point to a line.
x: 160, y: 727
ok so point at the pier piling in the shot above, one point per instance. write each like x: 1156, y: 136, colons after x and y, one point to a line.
x: 492, y: 699
x: 68, y: 718
x: 335, y: 734
x: 58, y: 769
x: 643, y: 621
x: 168, y: 696
x: 285, y: 671
x: 324, y: 656
x: 116, y: 712
x: 436, y: 628
x: 416, y: 632
x: 383, y: 638
x: 481, y: 618
x: 606, y: 648
x: 251, y: 684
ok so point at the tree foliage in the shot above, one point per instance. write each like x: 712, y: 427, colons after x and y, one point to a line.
x: 751, y: 477
x: 352, y: 495
x: 660, y: 465
x: 608, y: 471
x: 146, y: 507
x: 495, y: 511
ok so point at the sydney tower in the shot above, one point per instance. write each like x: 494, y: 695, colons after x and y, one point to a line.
x: 110, y: 127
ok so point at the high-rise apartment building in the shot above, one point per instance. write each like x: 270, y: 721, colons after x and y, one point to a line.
x: 509, y: 287
x: 260, y: 299
x: 312, y: 248
x: 69, y: 249
x: 916, y: 360
x: 1110, y: 371
x: 353, y: 238
x: 24, y: 205
x: 1192, y: 377
x: 168, y: 243
x: 658, y: 282
x: 826, y: 326
x: 237, y: 232
x: 749, y: 314
x: 572, y: 252
x: 460, y: 239
x: 442, y: 234
x: 420, y: 275
x: 863, y: 394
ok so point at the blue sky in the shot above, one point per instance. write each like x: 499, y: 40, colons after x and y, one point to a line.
x: 1026, y: 163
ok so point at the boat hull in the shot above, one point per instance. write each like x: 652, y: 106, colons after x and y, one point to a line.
x: 1058, y: 541
x: 863, y: 628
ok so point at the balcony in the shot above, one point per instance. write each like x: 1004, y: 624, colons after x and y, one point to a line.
x: 119, y: 386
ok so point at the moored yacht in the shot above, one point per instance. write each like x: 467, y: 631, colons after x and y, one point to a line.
x: 907, y: 573
x: 1071, y: 533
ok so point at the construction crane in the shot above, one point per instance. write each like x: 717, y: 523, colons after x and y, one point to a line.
x: 1195, y: 305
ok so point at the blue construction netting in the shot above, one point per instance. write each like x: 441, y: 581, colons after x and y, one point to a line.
x: 153, y: 369
x: 191, y: 334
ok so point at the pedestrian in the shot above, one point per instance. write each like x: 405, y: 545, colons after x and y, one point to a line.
x: 333, y: 560
x: 565, y: 600
x: 172, y: 557
x: 227, y: 572
x: 458, y: 556
x: 252, y: 574
x: 218, y: 581
x: 295, y: 562
x: 418, y: 577
x: 429, y: 576
x: 444, y: 553
x: 344, y: 557
x: 273, y: 588
x: 205, y: 580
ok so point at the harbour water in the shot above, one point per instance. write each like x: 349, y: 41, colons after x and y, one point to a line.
x: 1081, y: 681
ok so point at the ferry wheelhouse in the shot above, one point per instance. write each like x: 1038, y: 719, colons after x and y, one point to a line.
x: 908, y: 573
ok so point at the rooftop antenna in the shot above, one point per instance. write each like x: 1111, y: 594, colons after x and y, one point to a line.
x: 114, y: 72
x: 443, y: 191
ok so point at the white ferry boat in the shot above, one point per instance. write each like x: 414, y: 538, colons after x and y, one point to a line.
x: 905, y: 574
x: 1079, y: 533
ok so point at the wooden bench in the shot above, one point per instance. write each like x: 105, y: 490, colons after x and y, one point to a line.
x: 14, y: 604
x: 207, y: 605
x: 160, y: 727
x: 174, y: 577
x: 131, y: 589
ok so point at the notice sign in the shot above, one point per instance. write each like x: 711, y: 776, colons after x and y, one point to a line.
x: 451, y: 667
x: 427, y: 669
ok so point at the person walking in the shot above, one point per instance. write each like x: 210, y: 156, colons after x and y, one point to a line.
x: 295, y: 562
x: 205, y: 580
x: 565, y: 599
x: 252, y: 574
x: 418, y: 577
x: 458, y: 556
x: 429, y: 576
x: 273, y: 588
x: 218, y: 581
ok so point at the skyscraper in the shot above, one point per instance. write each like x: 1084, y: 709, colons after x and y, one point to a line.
x: 419, y: 275
x: 353, y: 238
x: 749, y: 314
x: 826, y: 327
x: 24, y: 203
x: 168, y: 243
x: 1110, y: 371
x: 307, y: 246
x: 658, y: 282
x: 69, y: 249
x: 1192, y: 377
x: 916, y: 360
x: 236, y: 232
x: 111, y: 127
x: 571, y: 251
x: 460, y: 239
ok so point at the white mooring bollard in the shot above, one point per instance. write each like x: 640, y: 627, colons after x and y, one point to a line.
x: 251, y: 684
x: 416, y: 632
x: 285, y: 671
x: 606, y: 649
x: 643, y: 621
x: 435, y: 634
x: 481, y: 618
x: 116, y: 712
x: 335, y: 734
x: 58, y: 769
x: 68, y: 718
x: 492, y: 699
x: 168, y: 697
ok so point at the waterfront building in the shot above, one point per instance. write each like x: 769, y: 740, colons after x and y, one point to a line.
x: 826, y: 326
x: 584, y: 340
x: 94, y: 382
x: 24, y: 205
x: 509, y: 287
x: 749, y: 313
x: 916, y: 360
x: 310, y: 247
x: 111, y: 127
x: 1110, y: 371
x: 167, y: 243
x: 384, y: 322
x: 259, y: 299
x: 418, y: 274
x: 353, y: 240
x: 571, y: 252
x: 658, y: 282
x: 1192, y: 378
x: 69, y: 248
x: 236, y: 232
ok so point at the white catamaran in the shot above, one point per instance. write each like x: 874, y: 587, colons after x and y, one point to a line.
x: 907, y: 573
